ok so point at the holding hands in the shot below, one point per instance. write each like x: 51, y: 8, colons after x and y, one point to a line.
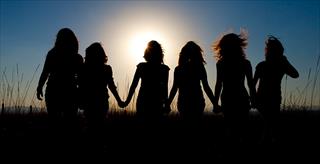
x: 122, y: 104
x: 39, y: 93
x: 167, y: 108
x: 216, y: 108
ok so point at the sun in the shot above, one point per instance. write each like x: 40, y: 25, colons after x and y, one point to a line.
x: 138, y: 44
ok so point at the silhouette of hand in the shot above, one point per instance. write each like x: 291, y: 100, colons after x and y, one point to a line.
x: 126, y: 103
x: 167, y: 109
x: 39, y: 94
x: 253, y: 103
x: 216, y: 109
x: 122, y: 104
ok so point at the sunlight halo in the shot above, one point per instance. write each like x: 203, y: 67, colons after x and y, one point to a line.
x: 138, y: 43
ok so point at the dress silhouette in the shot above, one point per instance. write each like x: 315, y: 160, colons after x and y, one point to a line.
x: 188, y: 77
x: 232, y: 69
x: 153, y: 91
x: 60, y: 71
x: 95, y: 79
x: 268, y: 76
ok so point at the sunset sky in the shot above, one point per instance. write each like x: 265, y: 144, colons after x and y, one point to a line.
x: 28, y: 30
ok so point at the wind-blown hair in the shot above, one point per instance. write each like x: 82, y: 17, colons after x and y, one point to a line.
x: 273, y: 49
x: 191, y: 52
x: 154, y: 52
x: 231, y: 46
x: 95, y: 55
x: 66, y: 41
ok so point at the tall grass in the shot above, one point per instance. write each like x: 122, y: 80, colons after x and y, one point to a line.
x: 123, y: 95
x: 317, y: 69
x: 298, y: 98
x: 15, y: 92
x: 130, y: 109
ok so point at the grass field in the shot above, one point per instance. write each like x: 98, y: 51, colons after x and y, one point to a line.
x: 124, y: 137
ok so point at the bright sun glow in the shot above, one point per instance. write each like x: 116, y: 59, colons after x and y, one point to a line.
x: 138, y: 44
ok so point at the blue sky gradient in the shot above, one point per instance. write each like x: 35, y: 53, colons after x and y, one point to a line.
x: 28, y: 30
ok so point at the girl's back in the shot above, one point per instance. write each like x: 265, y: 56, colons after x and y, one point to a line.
x: 270, y: 75
x: 233, y: 77
x: 271, y: 71
x: 95, y: 80
x: 62, y: 72
x: 189, y: 79
x: 154, y: 79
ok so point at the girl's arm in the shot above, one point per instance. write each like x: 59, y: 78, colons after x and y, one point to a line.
x: 166, y: 107
x: 174, y: 88
x: 113, y: 89
x: 207, y: 88
x: 250, y: 83
x: 218, y: 86
x: 166, y: 84
x: 256, y: 76
x: 43, y: 78
x: 290, y: 70
x: 133, y: 86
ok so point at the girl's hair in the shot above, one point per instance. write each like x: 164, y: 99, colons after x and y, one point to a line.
x: 153, y: 52
x: 191, y: 52
x: 95, y: 55
x: 231, y: 46
x: 274, y: 48
x: 67, y: 41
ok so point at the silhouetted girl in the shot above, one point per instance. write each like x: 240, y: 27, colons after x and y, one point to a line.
x: 153, y: 91
x: 95, y: 79
x: 188, y: 76
x: 232, y: 69
x: 60, y: 70
x: 269, y: 74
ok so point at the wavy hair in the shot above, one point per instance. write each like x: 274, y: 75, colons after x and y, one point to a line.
x: 273, y: 48
x: 153, y: 53
x: 95, y: 55
x: 191, y: 52
x: 231, y: 46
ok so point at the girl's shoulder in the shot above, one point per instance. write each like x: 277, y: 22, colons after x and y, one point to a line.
x: 220, y: 62
x: 107, y: 67
x: 51, y: 53
x: 246, y: 61
x: 165, y: 67
x: 142, y: 64
x: 79, y: 58
x: 146, y: 65
x: 260, y: 64
x: 247, y: 64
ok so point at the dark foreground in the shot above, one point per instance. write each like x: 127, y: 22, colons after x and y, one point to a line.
x: 124, y: 138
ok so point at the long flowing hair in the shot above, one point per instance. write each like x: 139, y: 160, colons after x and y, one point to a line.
x: 191, y: 52
x: 273, y: 48
x: 231, y: 46
x: 66, y: 41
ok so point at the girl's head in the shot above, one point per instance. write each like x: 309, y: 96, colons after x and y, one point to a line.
x: 231, y: 46
x: 67, y: 41
x: 191, y: 52
x: 273, y: 49
x: 95, y: 55
x: 153, y: 52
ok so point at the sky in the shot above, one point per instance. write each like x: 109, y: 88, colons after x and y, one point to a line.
x: 28, y: 30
